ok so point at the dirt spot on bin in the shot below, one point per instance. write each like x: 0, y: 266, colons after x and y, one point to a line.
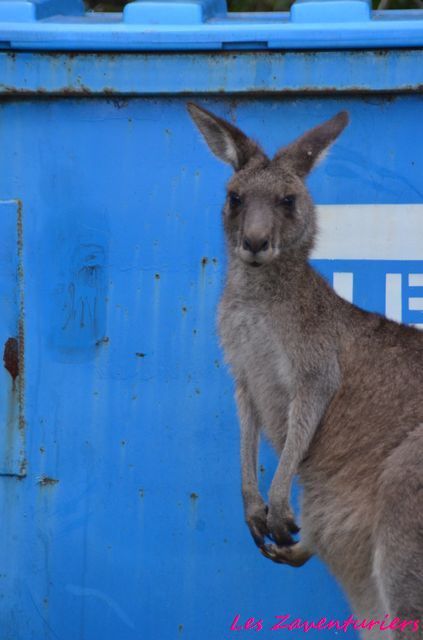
x: 46, y: 481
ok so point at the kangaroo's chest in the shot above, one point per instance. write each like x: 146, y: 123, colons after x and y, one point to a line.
x: 258, y: 355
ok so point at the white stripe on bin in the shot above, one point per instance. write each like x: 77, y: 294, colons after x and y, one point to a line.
x: 393, y: 296
x: 415, y: 280
x: 343, y: 285
x: 370, y: 232
x: 415, y: 304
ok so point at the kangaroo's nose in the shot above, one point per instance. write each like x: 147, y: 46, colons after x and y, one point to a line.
x: 254, y: 245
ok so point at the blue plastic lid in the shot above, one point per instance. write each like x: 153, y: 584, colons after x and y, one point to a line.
x: 154, y: 25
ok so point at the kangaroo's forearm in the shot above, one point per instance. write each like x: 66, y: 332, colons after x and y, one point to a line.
x: 249, y: 442
x: 305, y: 413
x: 255, y: 510
x: 302, y: 426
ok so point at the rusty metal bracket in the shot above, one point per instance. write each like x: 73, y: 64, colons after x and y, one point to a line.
x: 12, y: 374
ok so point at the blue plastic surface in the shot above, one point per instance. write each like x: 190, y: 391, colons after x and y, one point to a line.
x: 17, y: 11
x: 204, y: 25
x: 315, y: 11
x: 181, y: 12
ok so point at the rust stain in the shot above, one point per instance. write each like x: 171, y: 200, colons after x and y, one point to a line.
x: 46, y: 481
x: 180, y: 628
x: 11, y: 357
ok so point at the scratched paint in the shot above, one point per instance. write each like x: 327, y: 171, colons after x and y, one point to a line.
x: 81, y: 296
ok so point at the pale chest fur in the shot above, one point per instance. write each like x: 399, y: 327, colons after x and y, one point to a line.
x: 256, y: 353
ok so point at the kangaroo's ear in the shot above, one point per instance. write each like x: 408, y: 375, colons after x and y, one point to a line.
x: 305, y: 152
x: 226, y: 141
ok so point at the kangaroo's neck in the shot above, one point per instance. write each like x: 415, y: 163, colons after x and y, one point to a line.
x: 281, y: 279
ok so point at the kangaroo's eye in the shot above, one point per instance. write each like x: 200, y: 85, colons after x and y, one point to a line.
x: 288, y: 202
x: 234, y: 199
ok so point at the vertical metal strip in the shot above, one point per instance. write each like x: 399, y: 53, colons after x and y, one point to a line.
x: 12, y: 336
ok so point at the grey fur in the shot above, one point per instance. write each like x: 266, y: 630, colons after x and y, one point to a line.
x: 335, y: 389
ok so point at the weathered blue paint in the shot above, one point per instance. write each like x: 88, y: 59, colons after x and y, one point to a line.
x: 129, y: 522
x: 242, y: 73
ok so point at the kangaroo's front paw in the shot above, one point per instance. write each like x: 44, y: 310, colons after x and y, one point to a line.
x: 295, y: 556
x: 281, y: 525
x: 256, y: 517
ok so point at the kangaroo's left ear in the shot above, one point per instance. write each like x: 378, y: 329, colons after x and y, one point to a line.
x: 305, y: 152
x: 226, y: 141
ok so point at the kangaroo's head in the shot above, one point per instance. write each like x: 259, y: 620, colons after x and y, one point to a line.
x: 268, y: 212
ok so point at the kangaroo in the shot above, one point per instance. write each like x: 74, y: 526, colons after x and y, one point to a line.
x: 335, y: 389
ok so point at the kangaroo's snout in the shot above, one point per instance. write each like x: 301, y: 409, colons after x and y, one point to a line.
x: 256, y: 234
x: 255, y: 244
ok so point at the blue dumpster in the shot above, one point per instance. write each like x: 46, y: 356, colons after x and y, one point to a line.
x: 121, y: 515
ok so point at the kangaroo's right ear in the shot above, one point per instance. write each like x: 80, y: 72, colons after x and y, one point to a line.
x: 305, y: 152
x: 226, y: 141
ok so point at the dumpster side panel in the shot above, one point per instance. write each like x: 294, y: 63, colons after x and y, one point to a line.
x: 129, y: 523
